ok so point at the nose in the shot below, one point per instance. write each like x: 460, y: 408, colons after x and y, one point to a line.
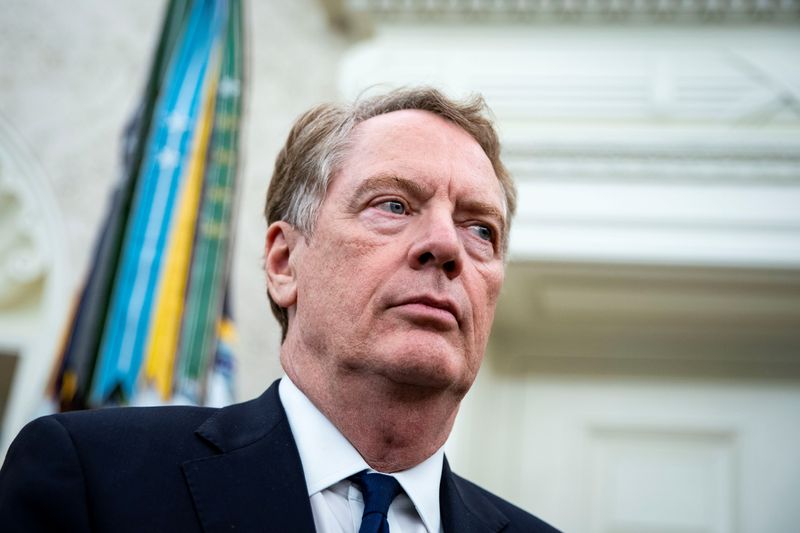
x: 437, y: 245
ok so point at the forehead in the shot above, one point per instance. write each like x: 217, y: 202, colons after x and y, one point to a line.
x: 420, y: 145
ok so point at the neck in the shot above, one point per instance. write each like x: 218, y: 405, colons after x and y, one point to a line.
x: 394, y: 426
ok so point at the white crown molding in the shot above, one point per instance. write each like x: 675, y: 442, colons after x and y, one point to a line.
x: 562, y: 77
x: 694, y: 224
x: 527, y: 11
x: 691, y: 157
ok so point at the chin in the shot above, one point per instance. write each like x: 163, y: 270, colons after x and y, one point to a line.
x: 427, y: 367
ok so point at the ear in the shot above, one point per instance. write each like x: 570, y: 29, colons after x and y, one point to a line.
x: 282, y: 239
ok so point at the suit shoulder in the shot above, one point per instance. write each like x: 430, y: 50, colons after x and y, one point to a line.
x: 125, y: 426
x: 520, y: 520
x: 153, y: 417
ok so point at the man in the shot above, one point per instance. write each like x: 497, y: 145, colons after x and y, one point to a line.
x: 388, y: 231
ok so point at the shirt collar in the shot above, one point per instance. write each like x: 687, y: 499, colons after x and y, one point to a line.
x: 328, y: 457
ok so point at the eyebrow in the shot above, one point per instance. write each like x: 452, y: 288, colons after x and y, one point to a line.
x: 418, y: 190
x: 389, y: 181
x: 485, y: 209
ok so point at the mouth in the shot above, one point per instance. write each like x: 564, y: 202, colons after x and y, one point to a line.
x: 441, y: 313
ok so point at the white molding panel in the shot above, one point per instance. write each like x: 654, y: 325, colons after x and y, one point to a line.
x: 650, y: 481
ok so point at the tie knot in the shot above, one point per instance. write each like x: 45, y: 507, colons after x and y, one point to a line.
x: 378, y: 490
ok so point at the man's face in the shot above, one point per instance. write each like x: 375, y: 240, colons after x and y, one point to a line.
x: 401, y: 275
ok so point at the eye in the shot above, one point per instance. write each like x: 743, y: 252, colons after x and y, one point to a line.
x: 395, y: 207
x: 484, y: 232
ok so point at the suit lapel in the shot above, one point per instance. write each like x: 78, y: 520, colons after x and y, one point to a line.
x: 255, y: 482
x: 464, y: 509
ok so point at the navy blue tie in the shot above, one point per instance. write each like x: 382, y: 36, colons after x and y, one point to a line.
x: 378, y: 490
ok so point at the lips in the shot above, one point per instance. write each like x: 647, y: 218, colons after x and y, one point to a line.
x: 433, y: 308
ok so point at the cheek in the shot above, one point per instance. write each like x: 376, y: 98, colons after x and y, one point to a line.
x: 353, y: 245
x: 491, y: 280
x: 341, y: 272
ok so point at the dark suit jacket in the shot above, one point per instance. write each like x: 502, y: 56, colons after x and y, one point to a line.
x: 184, y: 469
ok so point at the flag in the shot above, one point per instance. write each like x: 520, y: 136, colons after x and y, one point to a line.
x: 165, y: 246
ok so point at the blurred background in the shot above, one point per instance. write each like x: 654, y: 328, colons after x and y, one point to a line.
x: 644, y: 370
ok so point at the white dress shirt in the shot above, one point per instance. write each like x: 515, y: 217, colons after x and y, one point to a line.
x: 329, y: 459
